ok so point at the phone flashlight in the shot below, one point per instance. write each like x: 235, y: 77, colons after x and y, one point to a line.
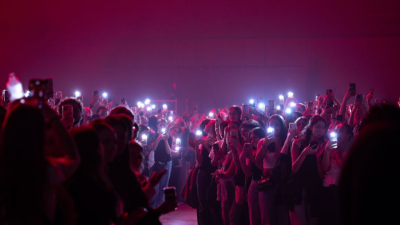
x: 170, y: 118
x: 211, y: 114
x: 149, y: 108
x: 105, y: 95
x: 261, y: 106
x: 333, y: 136
x: 251, y: 101
x: 292, y: 104
x: 144, y: 137
x: 278, y: 107
x: 140, y: 105
x: 163, y: 130
x: 178, y: 141
x: 199, y: 133
x: 77, y: 93
x: 165, y: 106
x: 290, y: 94
x: 288, y: 111
x: 270, y: 130
x: 153, y: 106
x: 147, y: 101
x: 281, y: 97
x: 27, y: 94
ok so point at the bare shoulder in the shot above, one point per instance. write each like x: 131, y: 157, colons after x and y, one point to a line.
x: 297, y: 142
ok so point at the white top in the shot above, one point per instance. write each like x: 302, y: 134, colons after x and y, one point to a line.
x: 332, y: 176
x: 270, y: 158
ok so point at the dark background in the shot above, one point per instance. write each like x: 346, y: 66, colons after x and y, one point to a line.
x: 217, y: 52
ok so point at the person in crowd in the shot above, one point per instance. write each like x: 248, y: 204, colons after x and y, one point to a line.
x: 366, y: 183
x: 34, y: 165
x: 162, y: 161
x: 334, y: 155
x: 305, y: 200
x: 235, y: 113
x: 126, y: 182
x: 3, y: 112
x: 268, y: 152
x: 77, y: 109
x: 203, y: 148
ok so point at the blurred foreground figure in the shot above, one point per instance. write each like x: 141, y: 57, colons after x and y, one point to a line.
x: 366, y: 187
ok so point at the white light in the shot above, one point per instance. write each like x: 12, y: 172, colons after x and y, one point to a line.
x: 163, y: 130
x: 147, y: 101
x: 211, y: 114
x: 144, y: 137
x: 165, y: 106
x: 178, y: 141
x: 170, y: 118
x: 290, y: 94
x: 140, y: 105
x: 153, y: 106
x: 199, y: 133
x: 251, y: 101
x: 105, y: 95
x: 77, y: 93
x: 177, y: 148
x: 281, y: 97
x: 288, y: 110
x: 149, y: 108
x: 270, y: 130
x: 292, y: 104
x: 261, y: 106
x: 278, y: 107
x: 333, y: 134
x: 27, y: 93
x: 172, y: 112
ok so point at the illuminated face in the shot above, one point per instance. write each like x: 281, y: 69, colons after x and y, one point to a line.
x: 319, y: 129
x: 300, y: 125
x: 342, y: 135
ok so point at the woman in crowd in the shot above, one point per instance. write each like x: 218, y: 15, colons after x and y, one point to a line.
x: 30, y: 184
x: 305, y: 199
x: 334, y: 155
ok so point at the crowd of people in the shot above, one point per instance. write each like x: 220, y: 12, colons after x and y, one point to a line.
x: 294, y: 163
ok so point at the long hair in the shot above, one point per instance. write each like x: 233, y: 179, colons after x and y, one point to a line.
x: 283, y: 133
x: 307, y: 132
x: 23, y: 167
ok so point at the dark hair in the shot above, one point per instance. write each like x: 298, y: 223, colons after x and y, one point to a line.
x: 303, y: 107
x: 283, y: 133
x: 366, y: 178
x: 202, y: 125
x: 237, y: 109
x: 153, y: 123
x: 3, y: 112
x: 133, y: 144
x: 249, y: 124
x: 122, y: 110
x: 224, y: 124
x: 302, y: 118
x: 307, y: 132
x: 69, y: 101
x: 258, y: 131
x: 88, y: 143
x: 23, y: 166
x: 100, y: 125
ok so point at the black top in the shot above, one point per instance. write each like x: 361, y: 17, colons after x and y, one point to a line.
x: 93, y: 202
x: 256, y: 172
x: 206, y: 163
x: 160, y: 153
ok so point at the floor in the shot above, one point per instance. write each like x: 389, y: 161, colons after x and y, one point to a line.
x: 185, y: 215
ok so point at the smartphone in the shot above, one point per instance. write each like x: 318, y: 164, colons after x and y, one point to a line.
x: 292, y: 127
x: 359, y: 98
x: 352, y: 86
x: 245, y: 108
x: 5, y: 97
x: 339, y: 118
x: 48, y: 88
x: 36, y: 86
x: 169, y: 193
x: 333, y: 136
x: 80, y: 98
x: 271, y: 107
x: 328, y: 91
x: 67, y: 111
x: 199, y: 133
x: 314, y: 144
